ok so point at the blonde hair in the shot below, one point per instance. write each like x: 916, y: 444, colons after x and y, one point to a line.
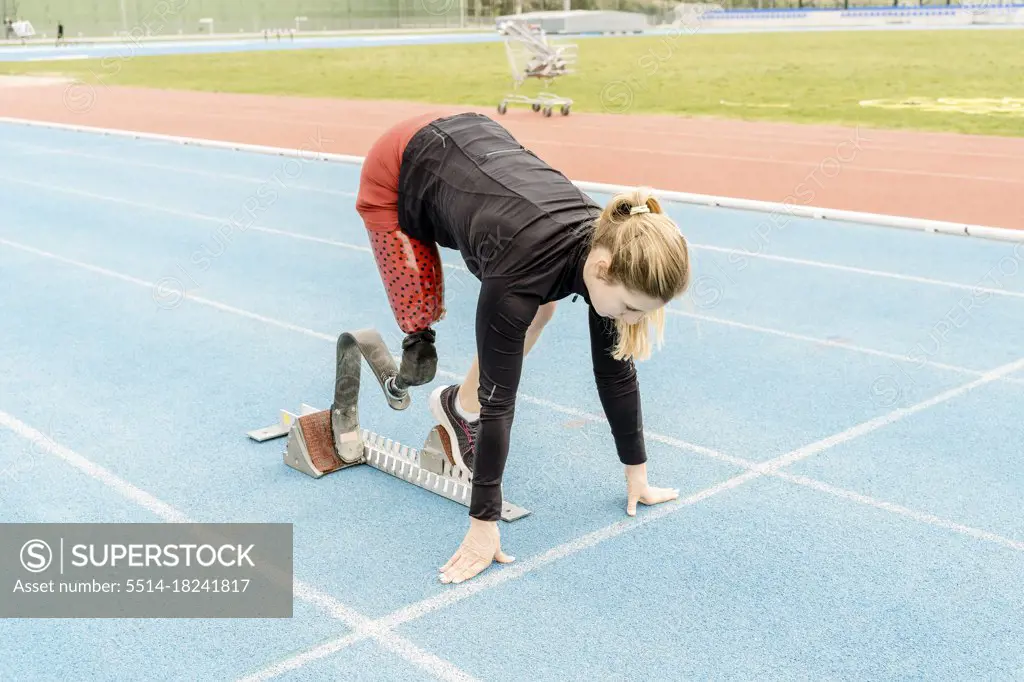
x: 649, y: 255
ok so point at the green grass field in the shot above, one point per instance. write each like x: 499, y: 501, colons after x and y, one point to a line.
x: 799, y: 77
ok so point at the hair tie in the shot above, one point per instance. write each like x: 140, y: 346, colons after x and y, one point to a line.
x: 639, y: 209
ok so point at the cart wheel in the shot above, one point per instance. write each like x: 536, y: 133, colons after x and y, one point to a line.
x: 535, y: 107
x: 565, y: 110
x: 547, y: 111
x: 502, y: 108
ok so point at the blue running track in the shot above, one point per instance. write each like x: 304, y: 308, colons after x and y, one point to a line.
x: 841, y: 407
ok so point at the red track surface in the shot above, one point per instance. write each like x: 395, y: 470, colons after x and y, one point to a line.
x: 970, y: 179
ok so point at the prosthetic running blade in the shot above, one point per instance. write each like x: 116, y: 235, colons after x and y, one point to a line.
x: 324, y: 441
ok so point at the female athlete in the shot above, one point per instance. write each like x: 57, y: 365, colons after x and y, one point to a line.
x: 532, y: 238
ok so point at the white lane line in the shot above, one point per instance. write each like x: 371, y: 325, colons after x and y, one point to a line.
x: 976, y: 288
x: 922, y: 517
x: 455, y: 266
x: 279, y: 178
x: 188, y: 214
x: 740, y: 252
x: 754, y: 469
x: 308, y: 656
x: 830, y: 343
x: 42, y: 442
x: 364, y: 626
x: 815, y: 212
x: 671, y: 310
x: 516, y: 570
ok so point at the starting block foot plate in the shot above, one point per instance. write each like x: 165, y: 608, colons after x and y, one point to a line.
x: 310, y: 446
x: 512, y: 512
x: 283, y: 425
x: 429, y: 468
x: 311, y: 450
x: 278, y: 430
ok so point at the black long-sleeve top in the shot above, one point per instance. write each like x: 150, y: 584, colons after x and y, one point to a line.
x: 523, y: 229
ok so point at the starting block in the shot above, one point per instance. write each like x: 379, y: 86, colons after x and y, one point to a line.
x: 322, y: 441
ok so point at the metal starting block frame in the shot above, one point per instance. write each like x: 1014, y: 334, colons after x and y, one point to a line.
x: 321, y: 442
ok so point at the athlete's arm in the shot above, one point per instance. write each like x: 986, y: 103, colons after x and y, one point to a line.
x: 502, y: 319
x: 619, y: 391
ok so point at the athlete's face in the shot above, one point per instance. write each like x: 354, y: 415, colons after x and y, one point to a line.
x: 612, y: 299
x: 619, y: 303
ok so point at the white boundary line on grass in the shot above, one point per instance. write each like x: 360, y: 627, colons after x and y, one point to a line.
x: 382, y: 627
x: 364, y: 627
x: 875, y: 219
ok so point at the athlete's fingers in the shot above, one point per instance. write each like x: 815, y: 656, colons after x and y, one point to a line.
x: 448, y: 564
x: 455, y: 557
x: 459, y: 569
x: 470, y: 569
x: 456, y: 574
x: 464, y: 558
x: 503, y: 558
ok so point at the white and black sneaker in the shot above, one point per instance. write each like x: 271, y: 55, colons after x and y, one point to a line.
x: 461, y: 432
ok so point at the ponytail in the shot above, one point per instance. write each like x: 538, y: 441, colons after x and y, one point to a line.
x: 639, y: 201
x: 648, y: 255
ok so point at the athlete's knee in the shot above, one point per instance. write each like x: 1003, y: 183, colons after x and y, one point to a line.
x: 544, y: 315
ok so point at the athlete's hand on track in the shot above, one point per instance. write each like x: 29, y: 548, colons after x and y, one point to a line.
x: 637, y: 489
x: 481, y: 546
